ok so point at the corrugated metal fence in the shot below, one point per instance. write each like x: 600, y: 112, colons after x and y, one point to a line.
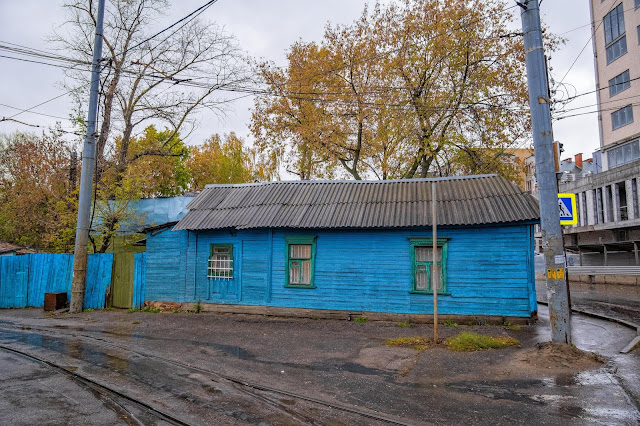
x: 25, y: 279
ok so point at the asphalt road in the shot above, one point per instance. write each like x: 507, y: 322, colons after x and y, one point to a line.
x: 148, y: 368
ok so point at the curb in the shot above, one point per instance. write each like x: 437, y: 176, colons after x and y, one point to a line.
x: 628, y: 324
x: 632, y: 345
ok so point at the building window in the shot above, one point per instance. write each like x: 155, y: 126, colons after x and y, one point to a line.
x: 622, y: 117
x: 614, y: 34
x: 220, y: 261
x: 422, y: 264
x: 621, y: 191
x: 301, y: 253
x: 623, y: 154
x: 637, y: 4
x: 619, y: 83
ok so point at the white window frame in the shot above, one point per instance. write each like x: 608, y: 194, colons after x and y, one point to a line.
x: 220, y: 261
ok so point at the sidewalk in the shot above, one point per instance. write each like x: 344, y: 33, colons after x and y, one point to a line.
x: 606, y: 338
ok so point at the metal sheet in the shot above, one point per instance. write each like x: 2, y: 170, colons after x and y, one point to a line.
x: 470, y: 200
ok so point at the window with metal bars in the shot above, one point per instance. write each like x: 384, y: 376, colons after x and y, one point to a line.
x: 422, y: 265
x: 301, y: 253
x: 220, y: 261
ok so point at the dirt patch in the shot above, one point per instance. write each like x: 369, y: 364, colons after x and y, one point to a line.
x: 389, y: 359
x: 557, y: 358
x: 164, y: 306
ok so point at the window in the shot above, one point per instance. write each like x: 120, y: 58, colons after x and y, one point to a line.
x: 220, y: 261
x: 622, y: 117
x: 619, y: 83
x: 637, y: 4
x: 422, y: 264
x: 614, y: 34
x: 301, y: 253
x: 623, y: 154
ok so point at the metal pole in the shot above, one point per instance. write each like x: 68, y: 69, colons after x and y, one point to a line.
x: 434, y: 268
x: 86, y: 178
x: 552, y: 243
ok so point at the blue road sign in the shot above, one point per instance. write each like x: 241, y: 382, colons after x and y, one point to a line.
x: 568, y: 211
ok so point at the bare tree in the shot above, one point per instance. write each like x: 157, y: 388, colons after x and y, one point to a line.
x: 148, y: 80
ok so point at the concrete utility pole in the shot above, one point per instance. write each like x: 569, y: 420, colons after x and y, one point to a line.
x: 79, y: 282
x: 552, y: 243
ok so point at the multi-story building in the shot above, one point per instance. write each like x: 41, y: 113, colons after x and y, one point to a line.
x: 608, y: 210
x: 616, y: 49
x: 608, y: 203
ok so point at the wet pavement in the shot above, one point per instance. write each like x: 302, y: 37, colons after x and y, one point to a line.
x: 236, y: 369
x: 619, y: 302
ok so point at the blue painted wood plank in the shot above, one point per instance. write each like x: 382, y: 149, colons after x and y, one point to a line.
x: 489, y: 270
x: 14, y: 273
x: 139, y: 272
x: 99, y: 271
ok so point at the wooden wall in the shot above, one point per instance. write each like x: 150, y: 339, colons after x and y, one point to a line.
x: 489, y: 270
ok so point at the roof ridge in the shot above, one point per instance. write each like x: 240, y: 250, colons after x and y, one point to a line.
x: 351, y: 181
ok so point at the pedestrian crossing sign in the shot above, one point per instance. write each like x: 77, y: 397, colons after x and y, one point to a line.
x: 567, y: 206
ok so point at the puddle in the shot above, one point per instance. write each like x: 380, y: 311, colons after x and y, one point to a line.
x: 361, y: 369
x: 75, y: 349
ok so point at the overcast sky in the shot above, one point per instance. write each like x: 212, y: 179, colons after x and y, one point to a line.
x: 265, y: 30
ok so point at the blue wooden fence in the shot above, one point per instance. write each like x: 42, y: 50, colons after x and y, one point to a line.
x: 139, y: 278
x: 25, y: 279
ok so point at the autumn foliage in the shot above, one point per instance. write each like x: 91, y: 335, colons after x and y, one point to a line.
x: 410, y: 89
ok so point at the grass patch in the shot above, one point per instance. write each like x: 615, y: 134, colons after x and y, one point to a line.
x: 150, y: 309
x: 403, y: 324
x: 132, y: 310
x: 88, y: 310
x: 512, y: 327
x: 175, y: 311
x: 471, y: 342
x: 449, y: 323
x: 361, y: 319
x: 416, y: 342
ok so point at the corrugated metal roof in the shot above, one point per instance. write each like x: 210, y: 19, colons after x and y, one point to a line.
x: 468, y: 200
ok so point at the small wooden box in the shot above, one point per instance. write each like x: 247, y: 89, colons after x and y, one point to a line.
x: 54, y: 301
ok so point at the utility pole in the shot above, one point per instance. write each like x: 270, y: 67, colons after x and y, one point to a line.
x: 552, y: 243
x: 80, y: 259
x: 435, y: 278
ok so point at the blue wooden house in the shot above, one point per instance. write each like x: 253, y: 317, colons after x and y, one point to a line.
x: 351, y: 247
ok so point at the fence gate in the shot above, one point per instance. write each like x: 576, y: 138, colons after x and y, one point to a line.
x: 122, y: 280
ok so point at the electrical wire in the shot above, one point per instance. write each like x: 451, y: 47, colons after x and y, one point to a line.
x: 586, y: 44
x: 198, y: 11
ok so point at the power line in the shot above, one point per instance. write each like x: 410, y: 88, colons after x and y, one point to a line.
x: 586, y: 44
x: 37, y: 113
x: 47, y: 101
x: 602, y: 103
x: 198, y: 11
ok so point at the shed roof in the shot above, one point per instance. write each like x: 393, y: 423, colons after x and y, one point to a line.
x: 468, y: 200
x: 6, y: 247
